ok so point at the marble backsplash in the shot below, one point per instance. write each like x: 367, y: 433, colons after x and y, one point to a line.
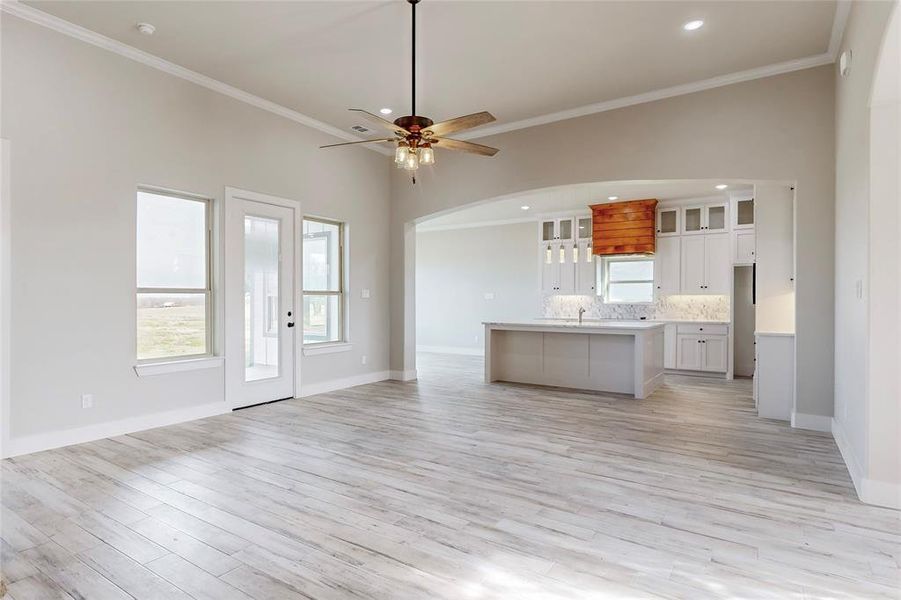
x: 689, y: 308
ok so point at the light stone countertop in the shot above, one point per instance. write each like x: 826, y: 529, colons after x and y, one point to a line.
x: 611, y: 325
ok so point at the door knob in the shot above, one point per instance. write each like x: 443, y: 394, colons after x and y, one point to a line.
x: 291, y: 324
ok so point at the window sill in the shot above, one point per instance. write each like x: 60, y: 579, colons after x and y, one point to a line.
x: 327, y: 348
x: 175, y: 366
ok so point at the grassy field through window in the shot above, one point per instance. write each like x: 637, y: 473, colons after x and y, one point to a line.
x: 171, y: 330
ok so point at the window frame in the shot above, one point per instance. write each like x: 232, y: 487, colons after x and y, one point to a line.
x: 342, y: 337
x: 207, y: 290
x: 605, y: 276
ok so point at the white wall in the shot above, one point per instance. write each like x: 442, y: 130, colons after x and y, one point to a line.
x: 455, y: 268
x: 861, y: 211
x: 774, y: 129
x: 85, y: 128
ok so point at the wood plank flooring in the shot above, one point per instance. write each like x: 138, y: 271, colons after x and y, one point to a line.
x: 449, y: 488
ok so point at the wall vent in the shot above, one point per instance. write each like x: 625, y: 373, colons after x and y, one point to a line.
x: 361, y: 129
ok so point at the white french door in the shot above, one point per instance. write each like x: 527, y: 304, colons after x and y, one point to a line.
x: 262, y: 264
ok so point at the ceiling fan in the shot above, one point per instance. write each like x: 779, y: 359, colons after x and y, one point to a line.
x: 416, y: 136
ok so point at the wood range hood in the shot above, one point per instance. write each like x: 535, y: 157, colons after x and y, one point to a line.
x: 624, y: 227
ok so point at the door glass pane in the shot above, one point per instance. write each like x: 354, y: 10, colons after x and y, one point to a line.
x: 692, y: 219
x: 585, y: 228
x: 171, y: 325
x: 262, y: 313
x: 667, y: 221
x: 745, y: 212
x: 566, y: 229
x: 547, y: 230
x: 321, y: 318
x: 716, y: 217
x: 171, y: 242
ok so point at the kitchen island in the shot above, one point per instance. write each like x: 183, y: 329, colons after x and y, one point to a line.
x: 623, y: 357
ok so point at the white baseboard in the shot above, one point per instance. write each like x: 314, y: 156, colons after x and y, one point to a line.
x: 343, y: 383
x: 452, y: 350
x: 409, y: 375
x: 67, y: 437
x: 870, y: 491
x: 812, y: 422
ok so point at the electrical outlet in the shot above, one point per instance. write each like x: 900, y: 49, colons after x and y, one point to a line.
x: 475, y: 338
x: 489, y: 295
x: 364, y: 293
x: 858, y: 288
x: 363, y: 359
x: 87, y: 400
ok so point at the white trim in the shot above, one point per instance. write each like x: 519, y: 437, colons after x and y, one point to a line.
x: 39, y: 17
x: 425, y: 227
x: 343, y: 383
x: 90, y: 433
x: 461, y: 350
x: 811, y: 422
x: 870, y: 491
x: 326, y: 348
x: 842, y: 10
x: 5, y: 289
x: 176, y: 366
x: 652, y: 96
x: 408, y: 375
x: 841, y: 440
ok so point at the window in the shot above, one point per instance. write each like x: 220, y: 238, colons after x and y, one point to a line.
x: 173, y: 276
x: 628, y: 279
x: 323, y: 281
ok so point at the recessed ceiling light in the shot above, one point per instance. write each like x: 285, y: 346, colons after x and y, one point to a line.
x: 386, y: 111
x: 525, y: 207
x: 692, y: 25
x: 612, y: 197
x: 722, y: 186
x: 145, y: 28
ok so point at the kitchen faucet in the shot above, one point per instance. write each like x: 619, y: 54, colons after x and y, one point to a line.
x: 581, y: 312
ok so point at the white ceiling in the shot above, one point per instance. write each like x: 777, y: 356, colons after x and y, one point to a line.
x: 577, y: 197
x: 519, y: 60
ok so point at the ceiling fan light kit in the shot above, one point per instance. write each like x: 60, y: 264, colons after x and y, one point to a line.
x: 417, y: 136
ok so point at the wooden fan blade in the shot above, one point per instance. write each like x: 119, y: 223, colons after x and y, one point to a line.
x: 450, y: 144
x: 461, y: 123
x: 385, y: 124
x: 360, y: 142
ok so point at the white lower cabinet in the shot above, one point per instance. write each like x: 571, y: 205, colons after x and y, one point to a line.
x: 701, y: 347
x: 688, y: 352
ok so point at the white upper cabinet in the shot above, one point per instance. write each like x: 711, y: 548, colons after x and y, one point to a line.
x: 583, y: 228
x: 718, y: 266
x: 744, y: 246
x: 557, y: 229
x: 668, y: 222
x: 693, y: 264
x: 667, y: 266
x: 705, y: 219
x: 586, y: 271
x: 742, y: 213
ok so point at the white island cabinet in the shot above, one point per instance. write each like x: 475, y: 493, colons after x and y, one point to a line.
x: 624, y: 357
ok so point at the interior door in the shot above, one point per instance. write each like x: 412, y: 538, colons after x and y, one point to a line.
x: 261, y: 263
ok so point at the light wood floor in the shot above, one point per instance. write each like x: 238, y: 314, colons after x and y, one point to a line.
x: 452, y: 489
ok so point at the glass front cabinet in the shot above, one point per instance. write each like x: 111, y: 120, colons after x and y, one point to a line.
x: 710, y: 218
x: 668, y: 222
x: 557, y: 229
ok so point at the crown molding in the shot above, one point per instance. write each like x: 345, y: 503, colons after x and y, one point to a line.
x: 661, y: 94
x: 842, y: 9
x: 39, y: 17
